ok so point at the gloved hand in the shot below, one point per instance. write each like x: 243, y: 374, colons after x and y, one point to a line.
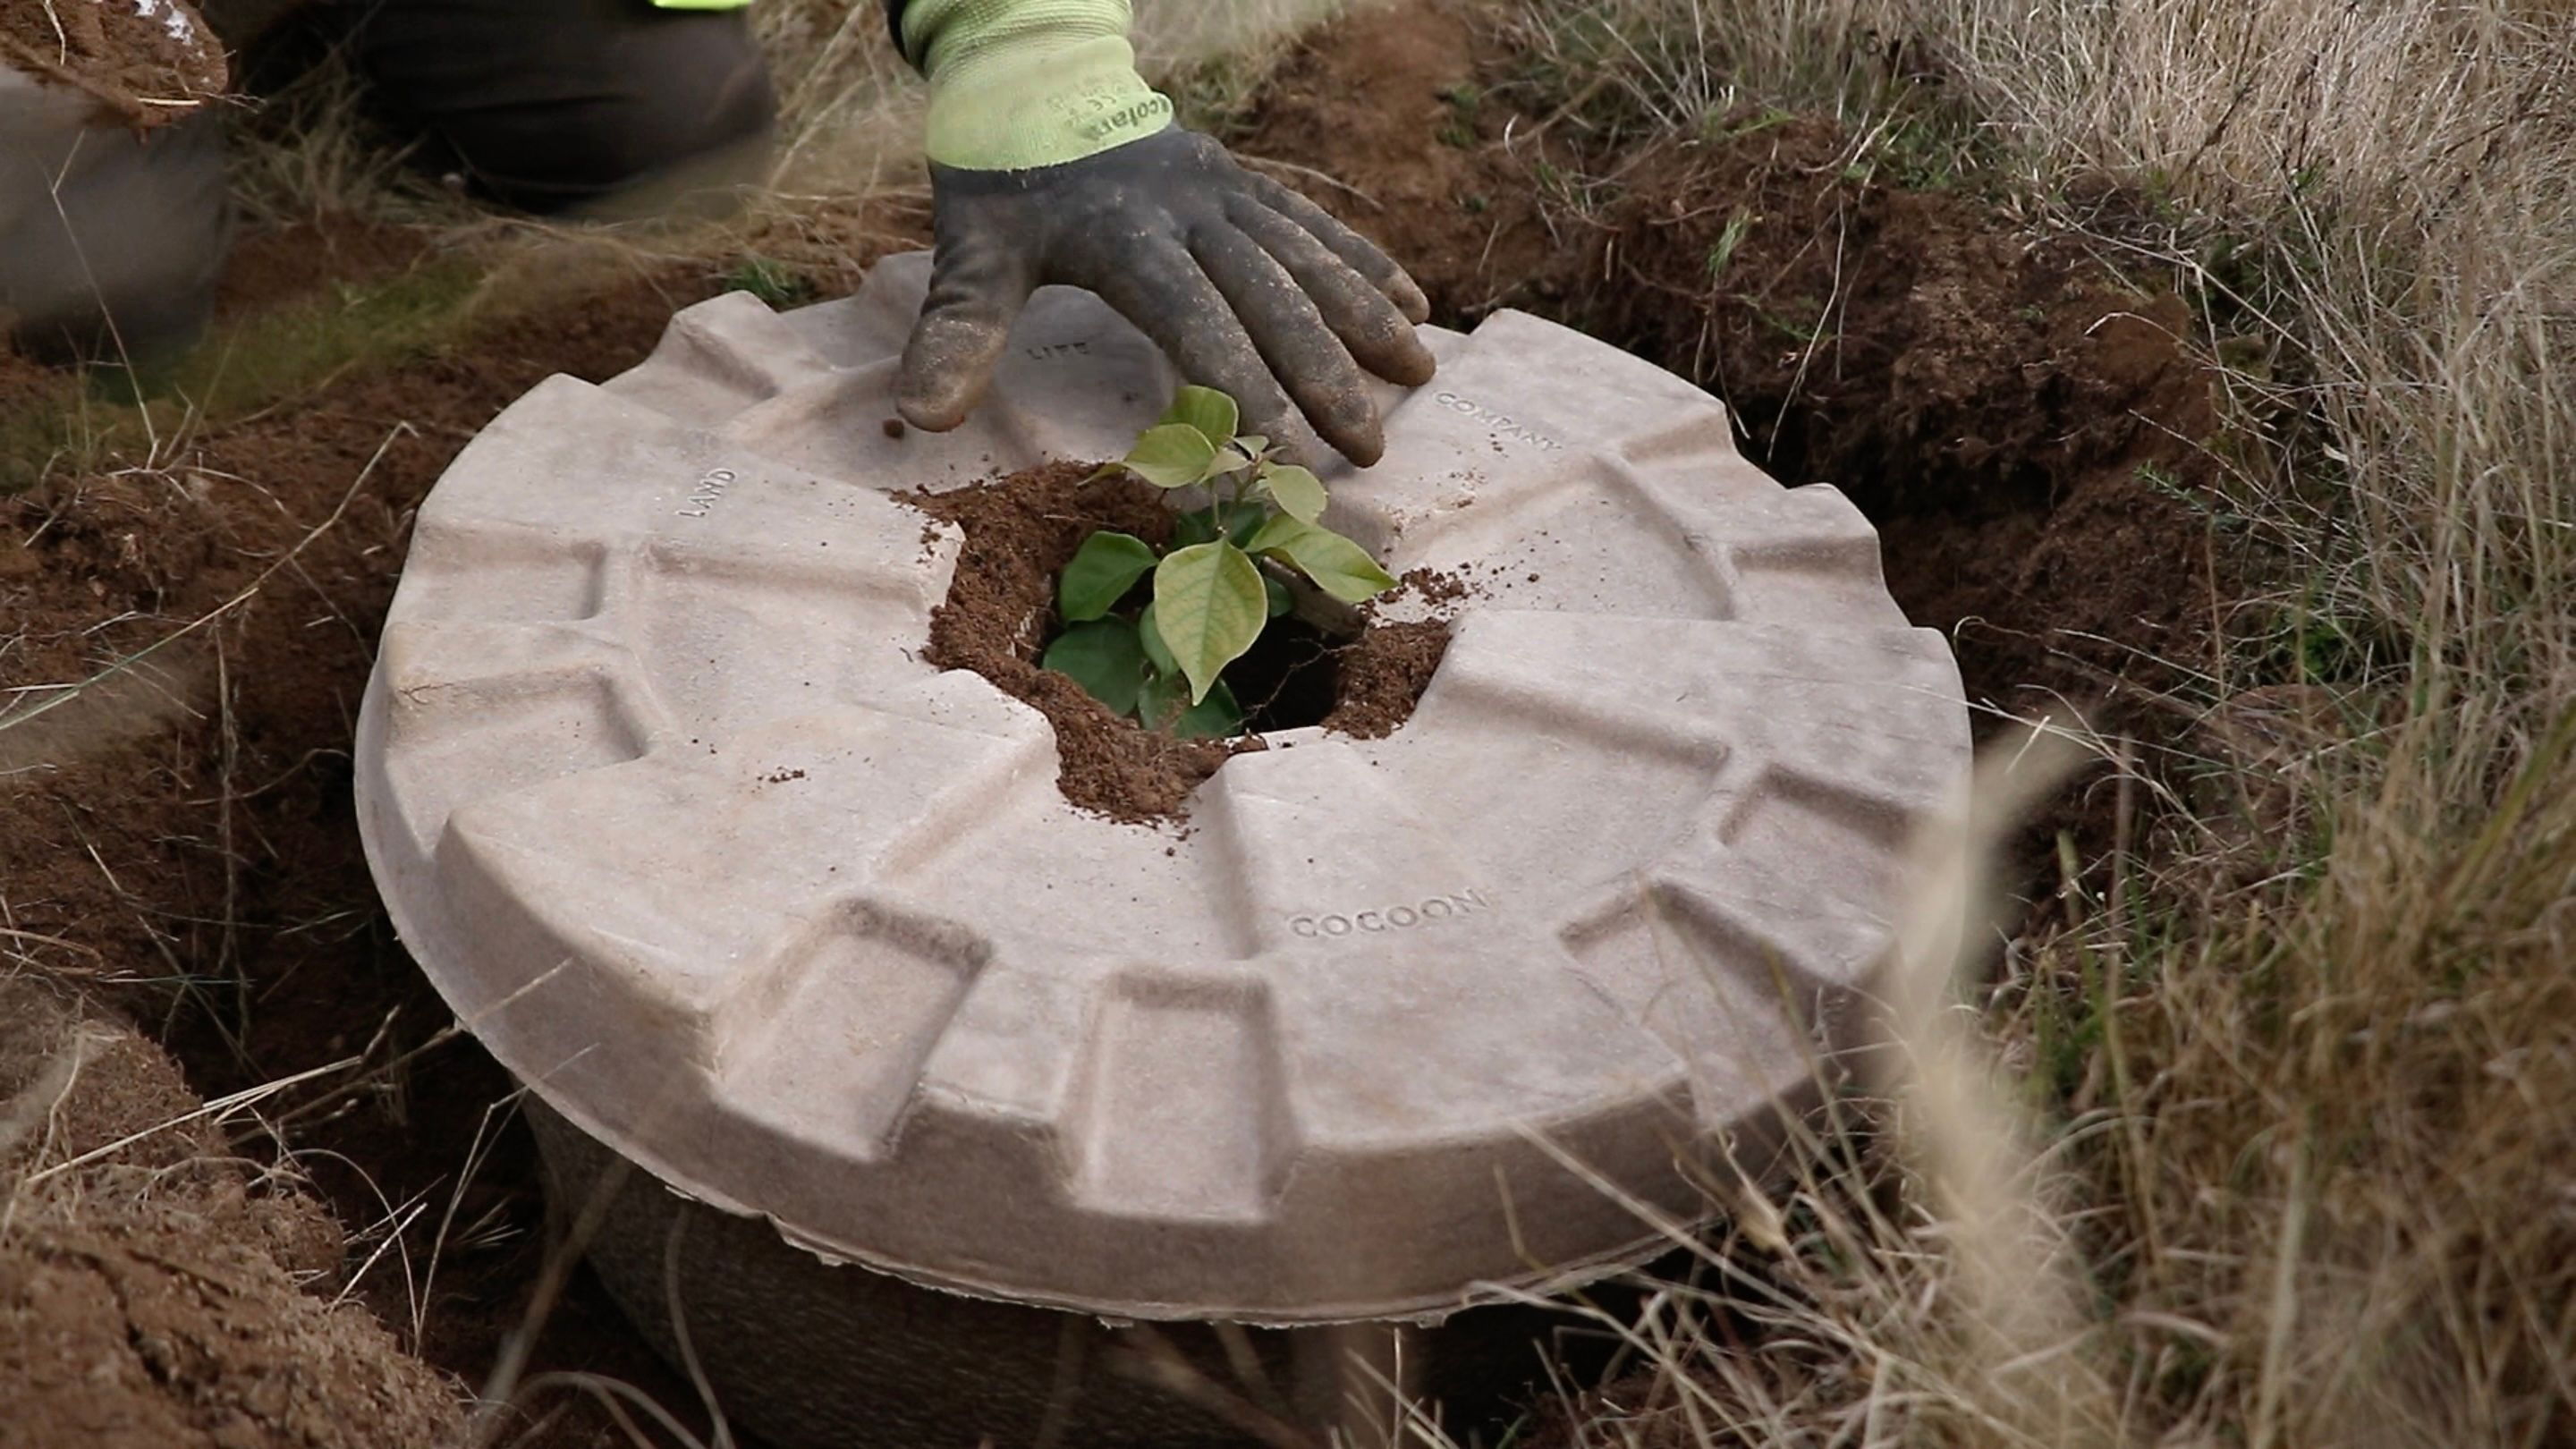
x: 1053, y: 161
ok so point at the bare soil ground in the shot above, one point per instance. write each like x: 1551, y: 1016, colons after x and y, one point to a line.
x: 178, y: 850
x: 161, y: 1289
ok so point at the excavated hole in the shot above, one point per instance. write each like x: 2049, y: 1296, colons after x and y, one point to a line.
x: 1000, y: 613
x: 1291, y: 678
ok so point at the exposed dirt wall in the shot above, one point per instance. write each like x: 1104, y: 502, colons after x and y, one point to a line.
x: 2026, y: 428
x: 152, y: 1293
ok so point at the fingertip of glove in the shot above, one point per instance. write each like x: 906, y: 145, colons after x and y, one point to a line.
x: 1412, y: 367
x: 1410, y: 301
x: 935, y: 390
x: 1363, y: 449
x: 931, y: 415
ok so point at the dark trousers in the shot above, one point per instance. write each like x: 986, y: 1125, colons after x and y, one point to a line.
x: 544, y: 105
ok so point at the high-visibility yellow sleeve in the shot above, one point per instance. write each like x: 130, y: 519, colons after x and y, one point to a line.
x: 1016, y: 84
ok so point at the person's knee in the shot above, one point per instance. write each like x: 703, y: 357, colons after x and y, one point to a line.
x: 549, y: 104
x: 697, y: 115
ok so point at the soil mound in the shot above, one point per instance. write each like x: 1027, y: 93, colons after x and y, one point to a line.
x: 150, y: 1290
x: 1382, y: 675
x: 147, y: 62
x: 1019, y: 534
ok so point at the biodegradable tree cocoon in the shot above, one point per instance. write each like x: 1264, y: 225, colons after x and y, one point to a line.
x: 662, y: 797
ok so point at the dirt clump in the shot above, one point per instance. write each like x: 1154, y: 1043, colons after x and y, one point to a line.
x: 1020, y: 532
x: 1435, y: 587
x: 2028, y: 433
x: 150, y: 1279
x: 145, y: 62
x: 1382, y: 674
x: 33, y: 399
x: 2034, y: 436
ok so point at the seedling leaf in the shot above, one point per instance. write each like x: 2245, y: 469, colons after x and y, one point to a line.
x: 1105, y: 657
x: 1281, y: 601
x: 1209, y: 606
x: 1196, y: 526
x: 1298, y: 491
x: 1157, y: 653
x: 1174, y: 455
x: 1216, y: 717
x: 1338, y: 566
x: 1165, y: 699
x: 1165, y: 705
x: 1209, y: 411
x: 1105, y: 568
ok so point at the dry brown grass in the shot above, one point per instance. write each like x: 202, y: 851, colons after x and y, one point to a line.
x: 2316, y: 1122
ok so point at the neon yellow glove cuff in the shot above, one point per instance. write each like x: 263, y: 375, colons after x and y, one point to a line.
x: 1022, y: 83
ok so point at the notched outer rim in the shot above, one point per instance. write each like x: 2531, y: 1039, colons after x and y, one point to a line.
x: 1810, y: 538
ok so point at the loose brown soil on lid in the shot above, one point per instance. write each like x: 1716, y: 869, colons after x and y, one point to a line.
x: 1383, y: 674
x: 1001, y: 606
x: 1000, y: 611
x: 147, y: 62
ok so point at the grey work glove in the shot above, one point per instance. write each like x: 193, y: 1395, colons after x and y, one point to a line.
x: 1247, y: 286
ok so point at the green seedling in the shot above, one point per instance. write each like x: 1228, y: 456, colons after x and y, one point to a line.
x: 1722, y: 254
x: 774, y: 283
x: 1161, y: 658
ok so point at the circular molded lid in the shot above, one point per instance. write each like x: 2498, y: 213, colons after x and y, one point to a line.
x: 661, y: 797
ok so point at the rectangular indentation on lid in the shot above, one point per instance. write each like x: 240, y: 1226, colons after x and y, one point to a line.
x: 1737, y: 1027
x: 1699, y: 437
x: 1845, y: 834
x: 825, y: 1042
x: 456, y: 743
x: 1589, y: 682
x: 726, y: 651
x: 1180, y: 1111
x: 501, y: 576
x: 718, y: 358
x: 1769, y: 951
